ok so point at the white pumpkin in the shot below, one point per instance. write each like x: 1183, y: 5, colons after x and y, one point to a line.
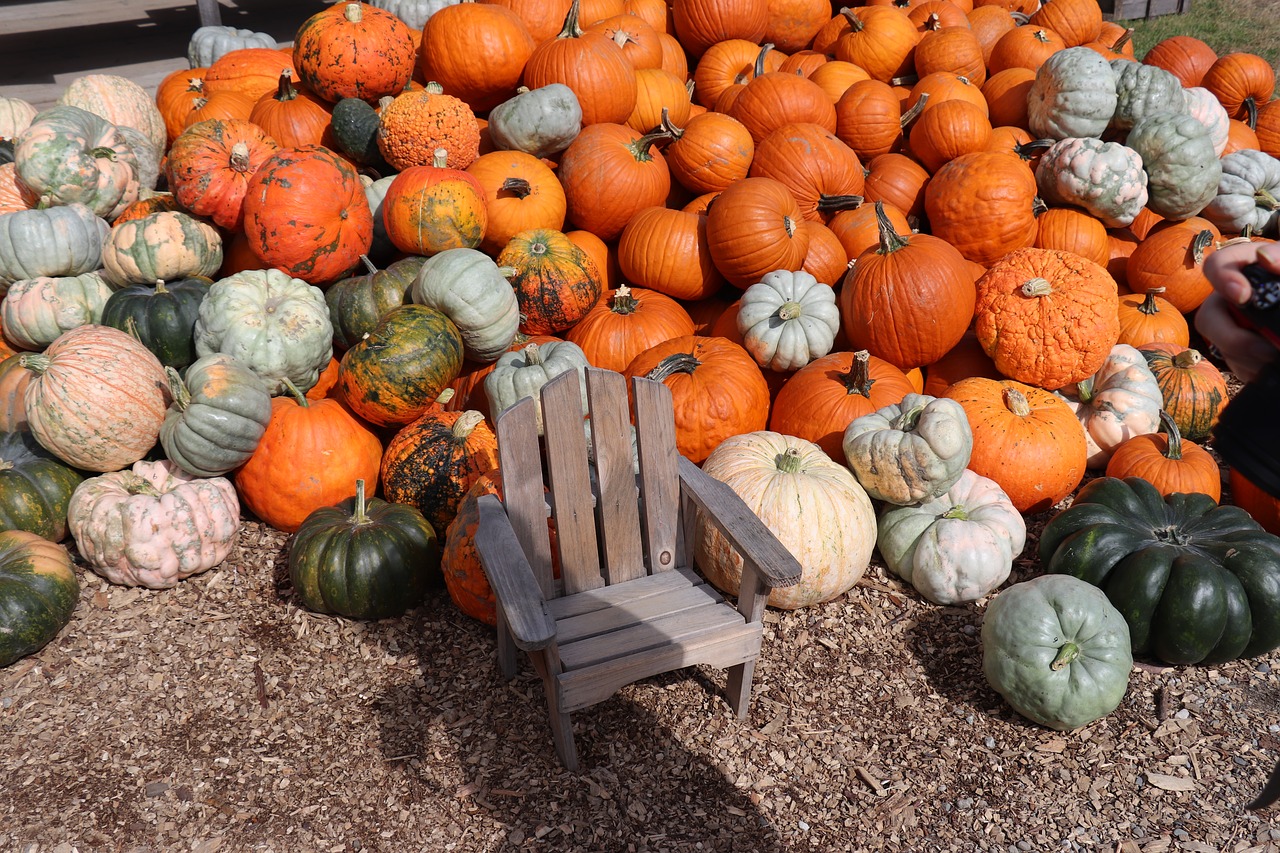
x: 471, y: 290
x: 957, y: 547
x: 811, y: 503
x: 787, y: 319
x: 36, y: 311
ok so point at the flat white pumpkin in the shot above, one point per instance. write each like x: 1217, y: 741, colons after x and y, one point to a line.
x: 787, y: 319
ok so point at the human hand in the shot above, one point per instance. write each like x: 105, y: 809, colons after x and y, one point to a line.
x: 1245, y: 351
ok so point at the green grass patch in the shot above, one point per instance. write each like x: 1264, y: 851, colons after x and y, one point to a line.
x: 1227, y: 26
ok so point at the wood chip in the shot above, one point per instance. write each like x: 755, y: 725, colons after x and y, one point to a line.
x: 1170, y: 783
x: 871, y: 781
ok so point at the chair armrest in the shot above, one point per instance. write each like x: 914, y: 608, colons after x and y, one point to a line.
x: 511, y: 577
x: 748, y: 535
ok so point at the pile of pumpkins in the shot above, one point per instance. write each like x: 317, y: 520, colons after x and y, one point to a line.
x: 934, y: 259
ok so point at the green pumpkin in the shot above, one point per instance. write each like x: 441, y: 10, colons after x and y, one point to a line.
x: 38, y: 593
x: 474, y: 293
x: 70, y: 155
x: 162, y: 317
x: 364, y: 559
x: 1248, y: 194
x: 59, y: 241
x: 358, y: 304
x: 1183, y: 170
x: 1057, y: 651
x: 1143, y: 91
x: 218, y: 415
x: 35, y: 487
x: 1197, y: 582
x: 355, y: 126
x: 1073, y: 95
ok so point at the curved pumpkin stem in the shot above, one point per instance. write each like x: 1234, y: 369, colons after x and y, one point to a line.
x: 299, y: 397
x: 1199, y: 244
x: 890, y: 240
x: 665, y: 123
x: 519, y: 187
x: 368, y: 264
x: 855, y: 23
x: 914, y: 112
x: 1173, y: 442
x: 571, y: 28
x: 833, y: 203
x: 1149, y: 305
x: 285, y: 90
x: 1264, y: 199
x: 1027, y: 150
x: 788, y: 461
x: 758, y: 68
x: 466, y: 424
x: 135, y: 484
x: 178, y: 388
x: 680, y: 362
x: 907, y: 419
x: 640, y: 148
x: 1084, y: 390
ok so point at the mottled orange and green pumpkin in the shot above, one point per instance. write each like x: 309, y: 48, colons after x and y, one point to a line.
x: 210, y: 164
x: 396, y: 372
x: 432, y: 462
x: 359, y: 302
x: 1194, y: 390
x: 428, y: 209
x: 556, y: 282
x: 305, y: 213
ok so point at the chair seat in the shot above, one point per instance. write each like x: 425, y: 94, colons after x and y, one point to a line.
x: 614, y: 635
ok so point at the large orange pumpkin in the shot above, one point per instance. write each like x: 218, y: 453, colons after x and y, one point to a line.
x: 428, y: 209
x: 626, y: 322
x: 752, y: 229
x: 210, y: 166
x: 354, y: 50
x: 983, y: 203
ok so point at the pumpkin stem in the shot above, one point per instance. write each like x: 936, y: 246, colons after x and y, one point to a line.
x: 135, y: 484
x: 858, y: 380
x: 519, y: 187
x: 788, y: 461
x: 914, y: 113
x: 1036, y: 287
x: 532, y: 355
x: 831, y: 203
x: 669, y: 126
x: 239, y: 160
x: 1084, y: 389
x: 1264, y: 199
x: 285, y: 90
x: 640, y: 148
x: 956, y: 511
x: 890, y: 240
x: 1016, y: 402
x: 758, y: 68
x: 1066, y: 655
x: 1123, y: 40
x: 297, y: 395
x: 466, y: 424
x: 440, y: 158
x: 907, y: 419
x: 680, y: 362
x: 1149, y: 305
x: 1199, y: 244
x: 1027, y: 150
x: 789, y: 311
x: 571, y: 29
x: 855, y: 23
x: 1187, y: 359
x: 359, y: 515
x: 160, y: 288
x: 353, y: 13
x: 36, y: 362
x: 368, y: 264
x: 1251, y: 112
x: 178, y: 388
x: 1173, y: 438
x: 623, y: 301
x: 621, y: 37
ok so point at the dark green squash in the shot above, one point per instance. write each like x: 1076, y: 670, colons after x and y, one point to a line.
x: 162, y: 317
x: 355, y: 131
x: 1197, y: 582
x: 6, y: 151
x: 357, y: 304
x: 364, y: 559
x: 35, y: 487
x: 38, y: 593
x: 395, y: 373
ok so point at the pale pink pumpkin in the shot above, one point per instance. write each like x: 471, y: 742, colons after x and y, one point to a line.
x: 36, y: 311
x: 97, y: 398
x: 15, y: 116
x: 1121, y: 400
x: 153, y: 525
x: 120, y: 101
x: 1208, y: 110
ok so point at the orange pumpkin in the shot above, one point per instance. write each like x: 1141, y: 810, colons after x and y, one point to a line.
x: 609, y: 172
x: 752, y: 230
x: 428, y: 209
x: 716, y: 386
x: 1149, y: 318
x: 292, y: 116
x: 556, y: 283
x: 823, y: 173
x: 1026, y: 439
x: 1047, y: 318
x: 311, y: 453
x: 983, y: 203
x: 1169, y: 462
x: 1264, y: 507
x: 520, y: 192
x: 625, y: 322
x: 709, y: 153
x: 477, y: 51
x: 1193, y: 389
x: 1172, y: 256
x: 354, y: 50
x: 666, y: 250
x: 962, y: 361
x: 590, y: 64
x: 211, y: 164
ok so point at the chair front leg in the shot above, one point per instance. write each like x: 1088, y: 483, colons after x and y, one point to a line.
x: 547, y: 663
x: 507, y: 649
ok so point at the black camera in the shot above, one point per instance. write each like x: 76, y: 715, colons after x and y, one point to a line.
x: 1245, y: 436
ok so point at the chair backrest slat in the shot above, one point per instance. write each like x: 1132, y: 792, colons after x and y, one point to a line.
x: 664, y: 540
x: 571, y: 499
x: 523, y: 494
x: 617, y: 494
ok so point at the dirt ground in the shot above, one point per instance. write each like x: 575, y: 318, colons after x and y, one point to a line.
x: 221, y: 716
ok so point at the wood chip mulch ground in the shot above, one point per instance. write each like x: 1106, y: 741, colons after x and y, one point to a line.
x: 221, y: 716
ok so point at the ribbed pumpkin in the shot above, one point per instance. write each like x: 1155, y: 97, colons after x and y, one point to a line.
x: 909, y: 300
x: 433, y: 461
x: 753, y: 229
x: 97, y: 398
x: 716, y: 387
x: 1172, y: 256
x: 309, y: 456
x: 306, y: 214
x: 358, y: 303
x: 1046, y: 317
x: 393, y: 374
x: 428, y: 209
x: 476, y: 52
x: 36, y: 311
x: 609, y: 173
x: 294, y: 116
x: 35, y: 487
x: 1167, y: 461
x: 823, y: 173
x: 710, y: 152
x: 822, y: 398
x: 983, y: 204
x: 14, y: 379
x: 220, y: 411
x: 556, y: 283
x: 210, y: 164
x: 520, y: 192
x: 1026, y: 439
x: 1194, y: 390
x: 165, y: 246
x: 120, y: 101
x: 1150, y: 318
x: 666, y: 250
x: 68, y: 155
x: 353, y: 50
x: 625, y: 322
x: 40, y: 592
x: 590, y: 64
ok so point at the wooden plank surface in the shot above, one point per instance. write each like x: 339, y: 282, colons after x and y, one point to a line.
x: 571, y: 499
x: 46, y: 45
x: 618, y: 520
x: 635, y: 612
x: 607, y: 596
x: 522, y: 490
x: 671, y: 630
x: 664, y: 543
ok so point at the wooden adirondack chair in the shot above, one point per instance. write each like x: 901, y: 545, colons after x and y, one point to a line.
x: 628, y: 604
